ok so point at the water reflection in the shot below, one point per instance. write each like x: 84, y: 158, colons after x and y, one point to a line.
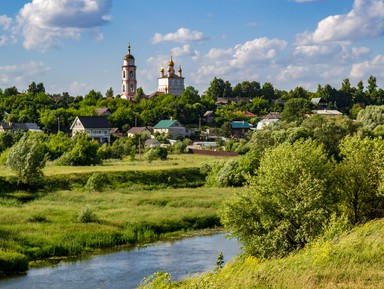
x: 125, y: 269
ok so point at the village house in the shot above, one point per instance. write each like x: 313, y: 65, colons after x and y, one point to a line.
x: 172, y: 128
x: 239, y: 128
x: 24, y: 127
x: 143, y: 130
x: 97, y: 127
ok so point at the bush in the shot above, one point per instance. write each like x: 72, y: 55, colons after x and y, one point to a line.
x: 13, y: 262
x: 86, y: 215
x: 95, y: 182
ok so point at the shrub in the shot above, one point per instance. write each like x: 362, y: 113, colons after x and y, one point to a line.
x: 86, y: 215
x: 13, y: 262
x: 95, y: 182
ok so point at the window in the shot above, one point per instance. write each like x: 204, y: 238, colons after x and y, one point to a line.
x: 105, y: 132
x: 123, y: 87
x: 132, y: 90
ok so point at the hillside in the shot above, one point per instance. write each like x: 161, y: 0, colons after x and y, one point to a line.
x: 354, y: 260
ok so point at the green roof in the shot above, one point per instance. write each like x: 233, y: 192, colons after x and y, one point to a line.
x: 240, y: 124
x: 165, y: 123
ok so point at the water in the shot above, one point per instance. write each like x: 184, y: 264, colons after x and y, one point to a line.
x: 127, y: 268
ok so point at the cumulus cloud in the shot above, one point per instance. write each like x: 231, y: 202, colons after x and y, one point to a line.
x: 5, y: 22
x: 23, y: 74
x: 257, y: 50
x: 185, y: 50
x: 365, y: 20
x: 366, y: 68
x: 44, y: 23
x: 182, y: 35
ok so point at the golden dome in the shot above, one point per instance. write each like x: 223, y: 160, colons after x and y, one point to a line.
x: 171, y: 62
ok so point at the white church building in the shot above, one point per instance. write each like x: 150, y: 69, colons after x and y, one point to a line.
x: 169, y: 81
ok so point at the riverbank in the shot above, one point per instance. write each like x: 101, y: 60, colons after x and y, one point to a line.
x: 353, y: 260
x: 71, y: 222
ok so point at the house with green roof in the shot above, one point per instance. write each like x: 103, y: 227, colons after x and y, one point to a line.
x: 172, y: 128
x: 239, y: 128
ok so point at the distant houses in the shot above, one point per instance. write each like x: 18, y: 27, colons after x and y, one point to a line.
x: 239, y: 128
x: 97, y: 127
x: 172, y: 128
x: 24, y: 127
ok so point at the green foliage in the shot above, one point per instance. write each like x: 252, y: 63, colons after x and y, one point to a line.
x: 58, y: 144
x: 220, y: 261
x: 83, y: 152
x: 6, y: 140
x: 360, y: 178
x: 371, y: 116
x: 86, y: 215
x: 295, y: 109
x: 27, y: 159
x: 11, y: 262
x: 155, y: 153
x: 352, y: 260
x: 95, y: 183
x: 287, y: 202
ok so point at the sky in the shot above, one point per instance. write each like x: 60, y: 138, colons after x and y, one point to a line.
x: 77, y: 45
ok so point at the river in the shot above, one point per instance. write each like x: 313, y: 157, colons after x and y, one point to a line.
x: 126, y: 268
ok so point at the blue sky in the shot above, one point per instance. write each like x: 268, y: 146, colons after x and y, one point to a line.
x: 78, y: 45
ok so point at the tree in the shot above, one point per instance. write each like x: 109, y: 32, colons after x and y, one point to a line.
x: 27, y: 159
x: 83, y: 152
x: 287, y: 203
x: 371, y: 116
x: 109, y: 93
x: 295, y: 109
x: 360, y: 178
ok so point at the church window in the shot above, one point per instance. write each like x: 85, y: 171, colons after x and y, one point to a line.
x: 132, y: 88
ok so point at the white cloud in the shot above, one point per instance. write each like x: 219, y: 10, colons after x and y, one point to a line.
x: 358, y: 52
x: 257, y: 50
x: 185, y: 50
x: 365, y: 20
x: 182, y: 35
x: 363, y: 70
x: 44, y: 23
x: 23, y: 74
x: 5, y: 22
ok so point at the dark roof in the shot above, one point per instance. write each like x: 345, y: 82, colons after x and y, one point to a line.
x: 94, y: 121
x: 209, y: 113
x: 137, y: 129
x: 4, y: 125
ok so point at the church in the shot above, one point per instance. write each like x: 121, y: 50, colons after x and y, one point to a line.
x: 169, y: 81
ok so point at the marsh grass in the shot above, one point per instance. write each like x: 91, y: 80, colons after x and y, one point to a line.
x: 353, y: 260
x: 49, y: 225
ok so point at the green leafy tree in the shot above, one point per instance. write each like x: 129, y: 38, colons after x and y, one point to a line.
x: 371, y: 116
x: 295, y: 109
x: 109, y: 93
x: 27, y: 159
x: 287, y: 202
x: 360, y: 178
x: 83, y: 152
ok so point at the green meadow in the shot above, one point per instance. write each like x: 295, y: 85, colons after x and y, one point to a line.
x: 137, y: 203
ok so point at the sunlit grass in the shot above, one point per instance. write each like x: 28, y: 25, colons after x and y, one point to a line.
x: 354, y: 260
x: 48, y: 225
x: 173, y: 161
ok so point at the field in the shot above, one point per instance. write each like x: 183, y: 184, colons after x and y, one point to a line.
x: 141, y: 203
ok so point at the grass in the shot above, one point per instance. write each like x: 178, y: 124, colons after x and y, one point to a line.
x: 50, y: 224
x: 354, y: 260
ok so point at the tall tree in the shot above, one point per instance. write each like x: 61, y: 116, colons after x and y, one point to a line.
x: 287, y: 203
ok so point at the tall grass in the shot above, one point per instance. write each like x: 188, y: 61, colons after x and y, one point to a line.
x: 354, y: 260
x: 49, y: 225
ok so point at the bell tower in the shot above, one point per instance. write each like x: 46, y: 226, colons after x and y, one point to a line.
x: 129, y: 82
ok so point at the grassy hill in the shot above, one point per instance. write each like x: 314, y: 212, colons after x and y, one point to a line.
x: 353, y: 260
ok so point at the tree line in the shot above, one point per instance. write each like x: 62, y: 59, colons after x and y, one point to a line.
x: 55, y: 112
